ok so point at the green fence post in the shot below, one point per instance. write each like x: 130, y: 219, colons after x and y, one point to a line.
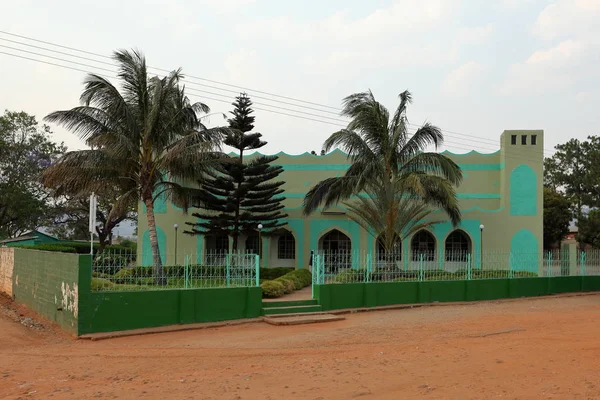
x: 186, y: 271
x: 369, y: 267
x: 469, y: 267
x: 228, y: 269
x: 583, y: 263
x: 549, y: 265
x: 257, y: 268
x: 421, y: 267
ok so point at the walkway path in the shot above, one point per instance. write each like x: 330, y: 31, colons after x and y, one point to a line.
x: 302, y: 294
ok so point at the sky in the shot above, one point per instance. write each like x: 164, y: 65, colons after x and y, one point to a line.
x: 474, y: 67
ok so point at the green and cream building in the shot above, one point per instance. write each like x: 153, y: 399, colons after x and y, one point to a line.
x: 501, y: 192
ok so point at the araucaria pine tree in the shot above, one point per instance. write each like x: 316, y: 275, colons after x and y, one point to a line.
x: 239, y: 195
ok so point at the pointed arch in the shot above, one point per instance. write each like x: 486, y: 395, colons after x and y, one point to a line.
x: 423, y: 246
x: 523, y: 191
x: 286, y: 246
x: 458, y: 246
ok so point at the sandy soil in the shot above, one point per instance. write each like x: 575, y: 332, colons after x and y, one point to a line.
x: 529, y: 349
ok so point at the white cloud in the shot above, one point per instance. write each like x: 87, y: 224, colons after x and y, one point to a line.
x: 462, y: 79
x: 572, y: 29
x: 565, y: 54
x: 565, y: 18
x: 475, y: 35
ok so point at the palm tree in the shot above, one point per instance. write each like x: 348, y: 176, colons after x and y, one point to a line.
x: 146, y: 140
x: 396, y: 180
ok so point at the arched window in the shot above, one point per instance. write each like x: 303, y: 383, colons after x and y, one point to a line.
x: 423, y: 246
x: 222, y: 244
x: 336, y: 241
x: 394, y: 254
x: 286, y: 247
x: 458, y: 246
x: 252, y: 245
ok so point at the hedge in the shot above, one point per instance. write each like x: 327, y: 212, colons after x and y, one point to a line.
x: 361, y: 275
x: 272, y: 289
x: 78, y: 247
x: 293, y: 280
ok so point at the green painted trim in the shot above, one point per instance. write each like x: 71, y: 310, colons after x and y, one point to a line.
x: 472, y: 152
x: 146, y: 249
x: 523, y: 191
x: 458, y: 195
x: 478, y: 195
x: 524, y: 252
x: 345, y: 166
x: 297, y: 228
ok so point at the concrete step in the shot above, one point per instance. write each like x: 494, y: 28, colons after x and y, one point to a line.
x: 289, y: 303
x: 291, y: 310
x: 302, y: 319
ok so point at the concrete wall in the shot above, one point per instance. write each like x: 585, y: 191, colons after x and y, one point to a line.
x: 7, y: 260
x: 48, y: 283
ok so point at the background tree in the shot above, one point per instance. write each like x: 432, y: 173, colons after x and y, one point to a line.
x: 557, y: 216
x: 386, y: 159
x: 574, y: 169
x: 240, y: 195
x: 589, y: 229
x: 72, y: 218
x: 145, y: 140
x: 26, y: 149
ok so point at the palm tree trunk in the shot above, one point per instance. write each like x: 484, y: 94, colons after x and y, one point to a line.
x: 159, y: 274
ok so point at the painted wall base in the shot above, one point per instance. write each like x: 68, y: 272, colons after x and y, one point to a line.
x: 358, y: 295
x: 119, y: 311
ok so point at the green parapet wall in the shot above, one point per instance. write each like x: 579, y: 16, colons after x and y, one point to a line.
x: 117, y: 311
x: 48, y: 283
x: 364, y: 295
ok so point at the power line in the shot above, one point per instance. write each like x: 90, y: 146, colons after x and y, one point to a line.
x: 165, y: 70
x: 490, y: 141
x: 446, y: 143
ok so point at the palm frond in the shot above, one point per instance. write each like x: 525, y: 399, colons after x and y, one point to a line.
x: 329, y: 192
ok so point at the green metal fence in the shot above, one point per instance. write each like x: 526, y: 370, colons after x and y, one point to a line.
x: 355, y: 266
x: 120, y: 271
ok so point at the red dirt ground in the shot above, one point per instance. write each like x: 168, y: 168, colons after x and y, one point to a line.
x: 528, y: 349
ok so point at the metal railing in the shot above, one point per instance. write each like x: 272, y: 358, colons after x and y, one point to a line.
x: 357, y: 266
x: 121, y: 271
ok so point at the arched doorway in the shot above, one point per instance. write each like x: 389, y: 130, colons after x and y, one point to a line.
x: 423, y: 246
x: 457, y: 247
x: 336, y: 248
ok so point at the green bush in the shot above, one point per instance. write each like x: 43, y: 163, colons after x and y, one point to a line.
x: 350, y: 276
x: 101, y: 283
x: 269, y: 274
x: 124, y: 276
x: 272, y: 289
x: 288, y: 284
x: 303, y: 275
x: 52, y: 247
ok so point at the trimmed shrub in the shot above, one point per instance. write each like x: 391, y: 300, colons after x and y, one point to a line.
x: 272, y: 289
x: 350, y: 276
x: 288, y: 284
x: 269, y: 274
x: 303, y: 275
